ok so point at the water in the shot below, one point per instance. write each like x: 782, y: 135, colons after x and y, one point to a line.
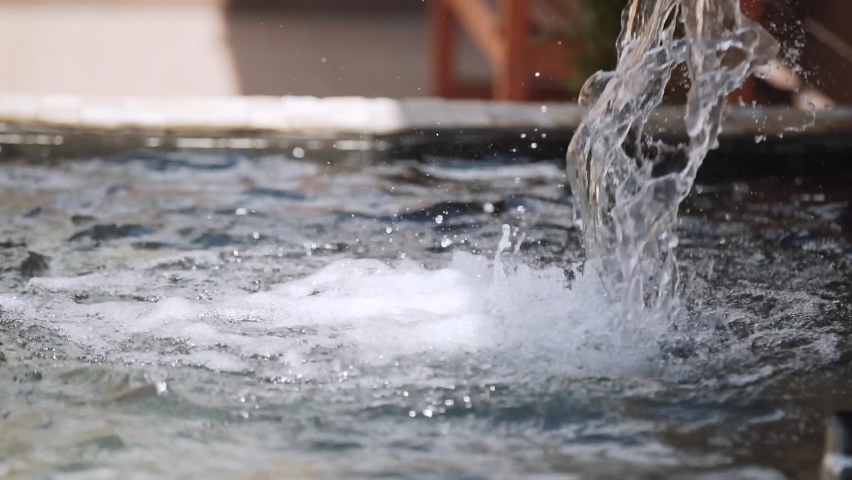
x: 629, y: 213
x: 221, y: 317
x: 177, y: 316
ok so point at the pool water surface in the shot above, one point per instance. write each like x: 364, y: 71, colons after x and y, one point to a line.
x: 171, y: 315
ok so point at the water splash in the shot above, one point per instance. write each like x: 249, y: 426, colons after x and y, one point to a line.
x: 629, y: 214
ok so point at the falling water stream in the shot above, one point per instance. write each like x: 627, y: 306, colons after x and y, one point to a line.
x: 629, y: 214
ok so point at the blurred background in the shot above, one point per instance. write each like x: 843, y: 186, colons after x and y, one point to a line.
x: 501, y: 49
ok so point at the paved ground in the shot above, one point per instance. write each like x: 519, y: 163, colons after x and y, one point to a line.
x: 203, y: 47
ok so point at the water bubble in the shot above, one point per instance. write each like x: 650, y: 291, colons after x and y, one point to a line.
x: 412, y: 413
x: 544, y: 109
x: 537, y: 74
x: 446, y: 242
x: 427, y: 413
x: 439, y: 219
x: 488, y: 208
x: 241, y: 211
x: 298, y: 152
x: 533, y: 145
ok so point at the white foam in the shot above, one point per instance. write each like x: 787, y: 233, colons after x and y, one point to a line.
x: 361, y: 307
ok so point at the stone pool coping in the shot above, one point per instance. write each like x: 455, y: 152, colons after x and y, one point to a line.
x: 76, y: 124
x: 356, y: 115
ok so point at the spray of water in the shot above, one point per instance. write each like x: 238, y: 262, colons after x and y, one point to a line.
x: 629, y: 213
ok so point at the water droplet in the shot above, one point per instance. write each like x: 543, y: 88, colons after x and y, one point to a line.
x: 533, y: 145
x: 439, y: 219
x: 255, y: 235
x: 389, y: 230
x: 446, y: 242
x: 298, y: 152
x: 488, y: 208
x: 537, y: 74
x: 544, y: 109
x: 241, y: 211
x: 427, y: 413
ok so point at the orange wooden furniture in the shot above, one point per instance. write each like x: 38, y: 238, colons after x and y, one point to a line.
x: 519, y: 38
x: 525, y: 43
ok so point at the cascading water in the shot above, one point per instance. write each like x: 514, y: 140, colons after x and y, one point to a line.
x: 629, y: 214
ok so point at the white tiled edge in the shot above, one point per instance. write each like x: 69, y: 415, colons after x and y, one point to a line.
x: 304, y: 115
x: 336, y: 116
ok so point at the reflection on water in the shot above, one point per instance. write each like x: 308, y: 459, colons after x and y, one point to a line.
x: 283, y: 319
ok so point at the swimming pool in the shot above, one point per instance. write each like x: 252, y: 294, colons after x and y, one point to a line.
x: 176, y: 314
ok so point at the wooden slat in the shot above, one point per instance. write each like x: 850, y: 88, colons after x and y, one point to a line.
x: 513, y: 75
x: 481, y: 24
x: 550, y: 16
x: 443, y: 53
x: 554, y: 59
x: 505, y: 39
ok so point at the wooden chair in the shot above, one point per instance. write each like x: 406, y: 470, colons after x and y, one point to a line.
x: 525, y: 43
x: 523, y: 40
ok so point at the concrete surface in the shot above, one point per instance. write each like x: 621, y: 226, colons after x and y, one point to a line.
x: 210, y: 47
